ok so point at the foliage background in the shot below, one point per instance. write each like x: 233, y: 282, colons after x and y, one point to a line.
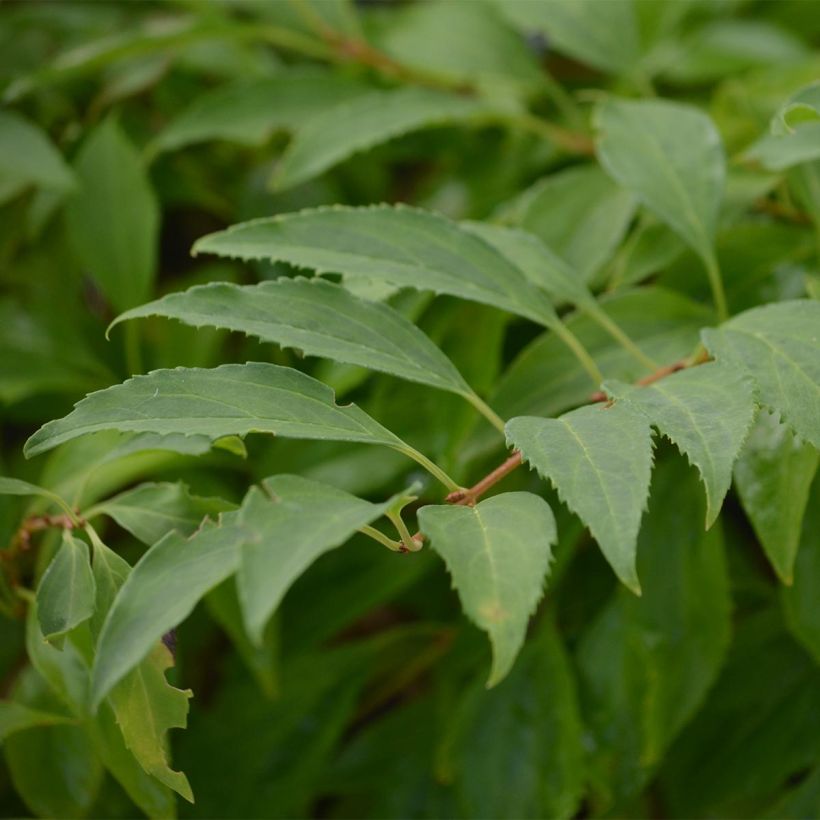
x: 367, y: 698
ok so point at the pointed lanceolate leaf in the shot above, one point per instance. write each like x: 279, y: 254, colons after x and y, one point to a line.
x: 113, y: 218
x: 401, y: 245
x: 800, y: 599
x: 144, y: 705
x: 250, y: 110
x: 779, y: 346
x: 604, y: 35
x: 647, y: 663
x: 151, y: 510
x: 706, y: 411
x: 162, y: 589
x: 15, y: 486
x: 234, y: 399
x: 65, y: 597
x: 16, y: 717
x: 671, y: 156
x: 355, y: 125
x: 285, y: 533
x: 773, y: 476
x: 498, y: 554
x: 536, y: 261
x: 319, y: 318
x: 519, y: 748
x: 146, y: 708
x: 28, y: 158
x: 599, y: 458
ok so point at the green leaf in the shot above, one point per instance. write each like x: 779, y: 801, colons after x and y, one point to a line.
x: 113, y: 218
x: 779, y: 346
x: 65, y: 596
x: 707, y: 412
x: 602, y: 35
x: 27, y: 157
x: 233, y: 399
x: 321, y: 319
x: 464, y: 44
x: 498, y: 553
x: 150, y: 510
x: 544, y: 380
x: 519, y: 750
x: 773, y: 476
x: 536, y: 261
x: 800, y: 599
x: 146, y: 707
x: 16, y: 717
x: 671, y: 156
x: 580, y: 213
x: 285, y: 533
x: 55, y: 770
x: 599, y: 459
x: 751, y: 737
x: 15, y: 486
x: 151, y: 796
x: 780, y: 152
x: 405, y: 246
x: 249, y: 111
x: 795, y: 133
x: 162, y: 589
x: 648, y: 663
x: 356, y: 125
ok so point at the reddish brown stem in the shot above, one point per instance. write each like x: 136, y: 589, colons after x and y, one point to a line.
x: 469, y: 497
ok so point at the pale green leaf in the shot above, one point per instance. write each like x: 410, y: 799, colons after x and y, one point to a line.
x: 800, y: 599
x: 27, y: 157
x: 647, y: 663
x: 405, y: 246
x: 498, y: 553
x: 779, y: 346
x: 146, y: 707
x: 233, y: 399
x: 469, y: 44
x: 286, y: 533
x: 579, y: 213
x: 65, y: 596
x: 355, y: 125
x: 161, y: 590
x: 602, y: 34
x: 536, y: 261
x: 795, y: 133
x: 729, y: 47
x: 599, y: 459
x: 249, y: 111
x: 113, y: 218
x: 671, y: 156
x: 151, y: 796
x: 319, y: 318
x: 780, y: 152
x: 16, y: 486
x: 773, y: 476
x: 151, y: 510
x: 16, y: 717
x: 707, y: 412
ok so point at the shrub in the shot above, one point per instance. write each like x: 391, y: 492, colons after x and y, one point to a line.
x: 474, y: 474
